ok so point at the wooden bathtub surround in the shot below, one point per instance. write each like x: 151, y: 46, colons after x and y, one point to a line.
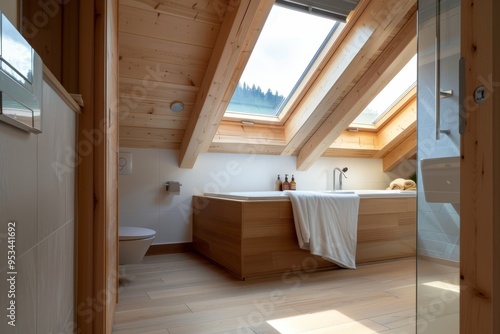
x: 257, y: 238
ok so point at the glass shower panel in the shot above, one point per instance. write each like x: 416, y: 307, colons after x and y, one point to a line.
x: 438, y: 217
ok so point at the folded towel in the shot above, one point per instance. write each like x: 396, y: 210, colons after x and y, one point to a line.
x: 402, y: 184
x: 397, y: 184
x: 410, y: 185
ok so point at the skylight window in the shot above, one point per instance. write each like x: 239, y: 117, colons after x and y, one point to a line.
x: 288, y: 44
x: 401, y: 84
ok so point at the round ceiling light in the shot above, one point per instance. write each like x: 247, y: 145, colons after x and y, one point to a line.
x: 177, y: 106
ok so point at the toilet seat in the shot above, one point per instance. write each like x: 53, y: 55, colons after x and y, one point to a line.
x: 135, y: 233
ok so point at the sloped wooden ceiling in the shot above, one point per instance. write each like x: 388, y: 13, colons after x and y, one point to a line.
x: 194, y: 51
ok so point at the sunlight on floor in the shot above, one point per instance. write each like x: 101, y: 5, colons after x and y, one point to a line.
x: 444, y: 286
x: 323, y: 322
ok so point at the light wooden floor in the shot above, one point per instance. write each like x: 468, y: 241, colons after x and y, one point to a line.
x: 184, y: 293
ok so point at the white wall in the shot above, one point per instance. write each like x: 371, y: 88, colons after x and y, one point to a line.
x: 37, y: 192
x: 144, y: 201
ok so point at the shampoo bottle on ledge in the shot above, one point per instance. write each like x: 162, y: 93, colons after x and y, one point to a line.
x: 286, y: 184
x: 277, y: 184
x: 293, y: 184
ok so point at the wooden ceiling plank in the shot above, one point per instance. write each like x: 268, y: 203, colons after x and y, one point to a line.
x: 246, y: 148
x: 394, y: 57
x: 154, y: 108
x: 163, y: 72
x: 132, y: 119
x: 167, y: 27
x: 168, y: 135
x: 349, y: 153
x: 161, y: 51
x: 400, y: 153
x: 207, y: 114
x: 356, y: 140
x: 207, y: 11
x: 364, y: 41
x: 147, y: 143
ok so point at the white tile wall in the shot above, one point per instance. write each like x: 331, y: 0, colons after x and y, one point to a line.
x: 144, y: 201
x: 40, y: 198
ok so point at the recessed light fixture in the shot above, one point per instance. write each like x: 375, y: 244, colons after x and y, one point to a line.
x: 177, y: 106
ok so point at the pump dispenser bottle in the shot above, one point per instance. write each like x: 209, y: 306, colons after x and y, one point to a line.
x: 293, y: 184
x: 277, y: 184
x: 286, y: 184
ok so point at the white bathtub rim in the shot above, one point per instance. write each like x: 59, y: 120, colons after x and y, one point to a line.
x: 282, y: 195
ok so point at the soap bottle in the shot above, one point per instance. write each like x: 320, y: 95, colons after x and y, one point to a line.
x: 286, y: 184
x: 277, y: 184
x: 293, y: 185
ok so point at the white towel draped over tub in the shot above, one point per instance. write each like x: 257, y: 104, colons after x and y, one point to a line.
x: 327, y: 224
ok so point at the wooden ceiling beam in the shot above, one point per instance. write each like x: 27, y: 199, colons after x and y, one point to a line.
x: 392, y: 59
x: 398, y: 128
x: 363, y: 42
x: 406, y: 149
x: 238, y: 25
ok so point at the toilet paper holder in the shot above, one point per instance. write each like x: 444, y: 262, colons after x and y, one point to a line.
x: 173, y: 186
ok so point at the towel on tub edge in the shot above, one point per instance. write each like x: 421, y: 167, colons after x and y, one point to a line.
x: 402, y: 184
x: 327, y: 225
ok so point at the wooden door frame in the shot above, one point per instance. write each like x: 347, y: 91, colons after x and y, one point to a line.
x: 97, y: 253
x: 480, y: 189
x: 480, y: 170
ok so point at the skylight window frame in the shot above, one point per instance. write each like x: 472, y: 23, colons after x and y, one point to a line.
x: 305, y: 81
x: 381, y: 119
x: 391, y: 112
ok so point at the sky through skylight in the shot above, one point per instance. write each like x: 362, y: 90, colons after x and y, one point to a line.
x: 286, y: 46
x: 390, y: 95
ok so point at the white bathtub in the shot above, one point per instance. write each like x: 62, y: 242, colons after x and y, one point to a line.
x: 281, y: 195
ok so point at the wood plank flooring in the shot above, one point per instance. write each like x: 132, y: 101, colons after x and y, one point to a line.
x: 185, y: 294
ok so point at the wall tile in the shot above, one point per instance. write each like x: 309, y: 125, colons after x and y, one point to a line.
x: 25, y: 296
x: 55, y: 282
x: 51, y: 169
x: 18, y: 181
x: 32, y: 194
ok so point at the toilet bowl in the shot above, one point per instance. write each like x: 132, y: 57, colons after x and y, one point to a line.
x: 134, y: 243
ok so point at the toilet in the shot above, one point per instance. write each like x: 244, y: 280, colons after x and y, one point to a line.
x: 134, y: 243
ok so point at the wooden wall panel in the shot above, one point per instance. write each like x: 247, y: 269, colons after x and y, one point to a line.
x: 51, y: 27
x: 480, y: 170
x: 267, y: 239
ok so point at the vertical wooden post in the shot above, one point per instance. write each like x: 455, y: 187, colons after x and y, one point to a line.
x: 97, y: 272
x: 85, y: 184
x: 480, y: 172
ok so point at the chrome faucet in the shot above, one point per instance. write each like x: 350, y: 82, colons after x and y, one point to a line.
x: 342, y: 172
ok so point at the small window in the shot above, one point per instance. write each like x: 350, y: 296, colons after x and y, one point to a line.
x: 289, y: 43
x: 395, y: 90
